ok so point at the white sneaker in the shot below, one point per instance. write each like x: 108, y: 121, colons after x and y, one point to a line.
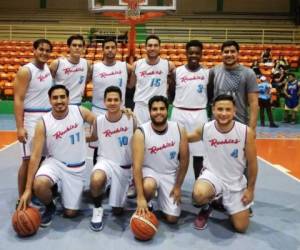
x: 96, y: 221
x: 131, y: 193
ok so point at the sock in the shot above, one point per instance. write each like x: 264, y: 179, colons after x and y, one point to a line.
x: 97, y: 201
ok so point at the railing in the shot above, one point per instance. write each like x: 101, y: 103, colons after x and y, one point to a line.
x: 170, y: 34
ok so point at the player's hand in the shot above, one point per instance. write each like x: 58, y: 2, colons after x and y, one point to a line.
x: 128, y: 112
x: 24, y: 200
x: 176, y: 194
x: 247, y: 196
x: 22, y: 135
x: 142, y: 207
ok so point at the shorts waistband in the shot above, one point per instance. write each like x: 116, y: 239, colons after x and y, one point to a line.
x: 190, y: 109
x: 74, y: 165
x: 37, y: 110
x: 126, y: 166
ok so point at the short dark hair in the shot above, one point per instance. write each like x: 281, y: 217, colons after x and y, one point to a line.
x: 75, y: 37
x: 230, y: 43
x: 37, y: 43
x: 152, y: 37
x: 194, y: 43
x: 109, y: 39
x: 58, y: 86
x: 158, y: 98
x: 224, y: 97
x: 113, y: 89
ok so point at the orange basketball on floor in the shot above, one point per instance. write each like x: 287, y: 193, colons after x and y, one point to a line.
x: 144, y: 227
x: 26, y: 222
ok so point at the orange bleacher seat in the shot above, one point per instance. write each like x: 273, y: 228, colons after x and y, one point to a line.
x: 8, y: 89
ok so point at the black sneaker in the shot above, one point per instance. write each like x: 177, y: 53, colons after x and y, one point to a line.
x: 48, y: 215
x: 250, y: 212
x: 273, y: 125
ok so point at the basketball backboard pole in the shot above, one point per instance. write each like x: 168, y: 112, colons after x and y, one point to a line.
x: 132, y: 17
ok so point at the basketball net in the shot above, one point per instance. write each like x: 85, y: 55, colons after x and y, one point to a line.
x: 133, y: 11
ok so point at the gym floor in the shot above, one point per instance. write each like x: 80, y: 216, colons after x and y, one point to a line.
x: 275, y: 224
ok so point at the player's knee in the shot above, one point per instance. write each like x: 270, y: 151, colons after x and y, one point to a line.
x: 69, y: 213
x: 240, y: 226
x: 40, y: 184
x: 117, y: 211
x: 171, y: 219
x: 98, y: 179
x: 199, y: 197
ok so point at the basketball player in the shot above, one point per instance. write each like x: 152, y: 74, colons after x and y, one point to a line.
x: 62, y: 131
x: 228, y: 145
x: 157, y: 145
x: 149, y: 77
x: 31, y: 101
x: 72, y: 71
x: 114, y: 131
x: 109, y: 72
x: 189, y: 105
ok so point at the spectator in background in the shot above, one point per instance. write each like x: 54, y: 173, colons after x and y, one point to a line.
x: 266, y: 56
x: 264, y: 100
x: 292, y: 93
x: 255, y: 68
x: 278, y: 82
x: 283, y: 62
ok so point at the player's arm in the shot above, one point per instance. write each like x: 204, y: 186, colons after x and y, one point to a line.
x: 251, y: 158
x: 35, y: 159
x: 20, y: 87
x: 53, y: 68
x: 171, y: 85
x: 285, y: 91
x: 138, y: 145
x: 132, y: 79
x: 90, y: 118
x: 196, y: 135
x: 183, y: 166
x: 89, y: 72
x: 253, y: 110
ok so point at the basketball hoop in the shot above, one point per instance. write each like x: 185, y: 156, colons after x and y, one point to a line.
x: 133, y: 11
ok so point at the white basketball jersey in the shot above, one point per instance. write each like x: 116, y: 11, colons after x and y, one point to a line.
x: 115, y: 139
x: 191, y: 88
x: 36, y: 97
x: 105, y: 76
x: 161, y: 150
x: 73, y: 76
x: 65, y: 138
x: 151, y: 80
x: 225, y: 153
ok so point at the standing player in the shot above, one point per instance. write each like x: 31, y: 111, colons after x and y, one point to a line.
x: 72, y: 71
x: 189, y: 105
x: 149, y: 76
x: 160, y: 161
x: 62, y: 131
x: 31, y: 101
x: 234, y: 79
x: 229, y: 147
x: 110, y: 72
x: 114, y: 131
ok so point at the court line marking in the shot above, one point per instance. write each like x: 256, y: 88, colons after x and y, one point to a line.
x: 279, y: 168
x: 8, y: 145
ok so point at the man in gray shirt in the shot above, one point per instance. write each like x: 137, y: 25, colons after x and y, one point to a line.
x: 234, y: 79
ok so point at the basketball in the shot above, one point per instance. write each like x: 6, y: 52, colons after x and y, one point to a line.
x: 26, y: 222
x: 144, y: 227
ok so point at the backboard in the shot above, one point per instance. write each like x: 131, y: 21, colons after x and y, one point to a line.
x: 122, y: 5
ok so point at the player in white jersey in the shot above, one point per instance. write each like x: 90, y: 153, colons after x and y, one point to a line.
x: 114, y: 132
x: 189, y: 105
x: 72, y: 71
x: 150, y: 78
x: 109, y: 72
x: 62, y: 131
x: 229, y: 145
x: 160, y: 161
x: 31, y: 101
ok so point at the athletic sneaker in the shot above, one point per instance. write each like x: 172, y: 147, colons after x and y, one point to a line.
x: 200, y: 222
x: 131, y: 193
x: 96, y: 221
x: 47, y: 216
